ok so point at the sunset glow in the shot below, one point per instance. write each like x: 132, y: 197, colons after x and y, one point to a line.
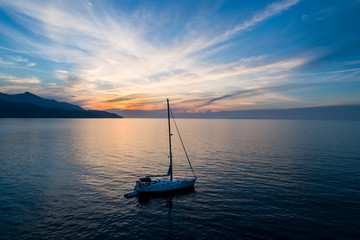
x: 204, y: 55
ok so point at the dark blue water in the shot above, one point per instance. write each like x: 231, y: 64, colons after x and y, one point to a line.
x: 257, y: 179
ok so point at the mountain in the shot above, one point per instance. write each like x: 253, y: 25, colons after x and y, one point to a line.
x: 28, y: 105
x: 28, y: 97
x: 103, y: 114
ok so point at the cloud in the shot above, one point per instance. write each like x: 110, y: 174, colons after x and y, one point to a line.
x: 259, y: 91
x: 128, y: 97
x: 14, y: 61
x: 4, y: 62
x: 62, y: 71
x: 16, y: 80
x: 115, y: 54
x: 31, y: 64
x: 270, y: 11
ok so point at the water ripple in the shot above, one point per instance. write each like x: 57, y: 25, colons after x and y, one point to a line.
x: 257, y: 179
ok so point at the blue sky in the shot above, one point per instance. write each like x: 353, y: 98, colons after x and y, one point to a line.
x: 203, y: 55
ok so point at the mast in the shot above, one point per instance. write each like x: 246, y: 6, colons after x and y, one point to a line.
x: 170, y: 167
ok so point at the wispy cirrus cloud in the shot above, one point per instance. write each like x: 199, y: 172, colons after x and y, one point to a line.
x: 258, y: 91
x: 19, y: 59
x: 17, y: 80
x: 4, y: 62
x: 270, y: 11
x: 115, y: 54
x: 16, y: 62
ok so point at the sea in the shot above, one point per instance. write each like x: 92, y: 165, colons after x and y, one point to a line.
x: 256, y: 179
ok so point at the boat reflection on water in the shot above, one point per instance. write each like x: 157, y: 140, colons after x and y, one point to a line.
x: 166, y: 199
x: 169, y: 195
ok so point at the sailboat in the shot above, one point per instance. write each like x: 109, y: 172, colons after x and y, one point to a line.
x: 166, y: 183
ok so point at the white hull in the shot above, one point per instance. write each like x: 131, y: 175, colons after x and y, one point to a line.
x: 164, y: 185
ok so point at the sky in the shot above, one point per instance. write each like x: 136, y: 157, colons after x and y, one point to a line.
x: 206, y: 56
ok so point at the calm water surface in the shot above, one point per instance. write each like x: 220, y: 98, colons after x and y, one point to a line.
x: 257, y: 179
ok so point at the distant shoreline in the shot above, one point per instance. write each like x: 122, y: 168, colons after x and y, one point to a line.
x: 343, y: 112
x: 28, y: 105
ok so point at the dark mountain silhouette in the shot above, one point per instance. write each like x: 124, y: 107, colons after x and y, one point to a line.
x: 28, y: 97
x: 103, y: 114
x: 28, y: 105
